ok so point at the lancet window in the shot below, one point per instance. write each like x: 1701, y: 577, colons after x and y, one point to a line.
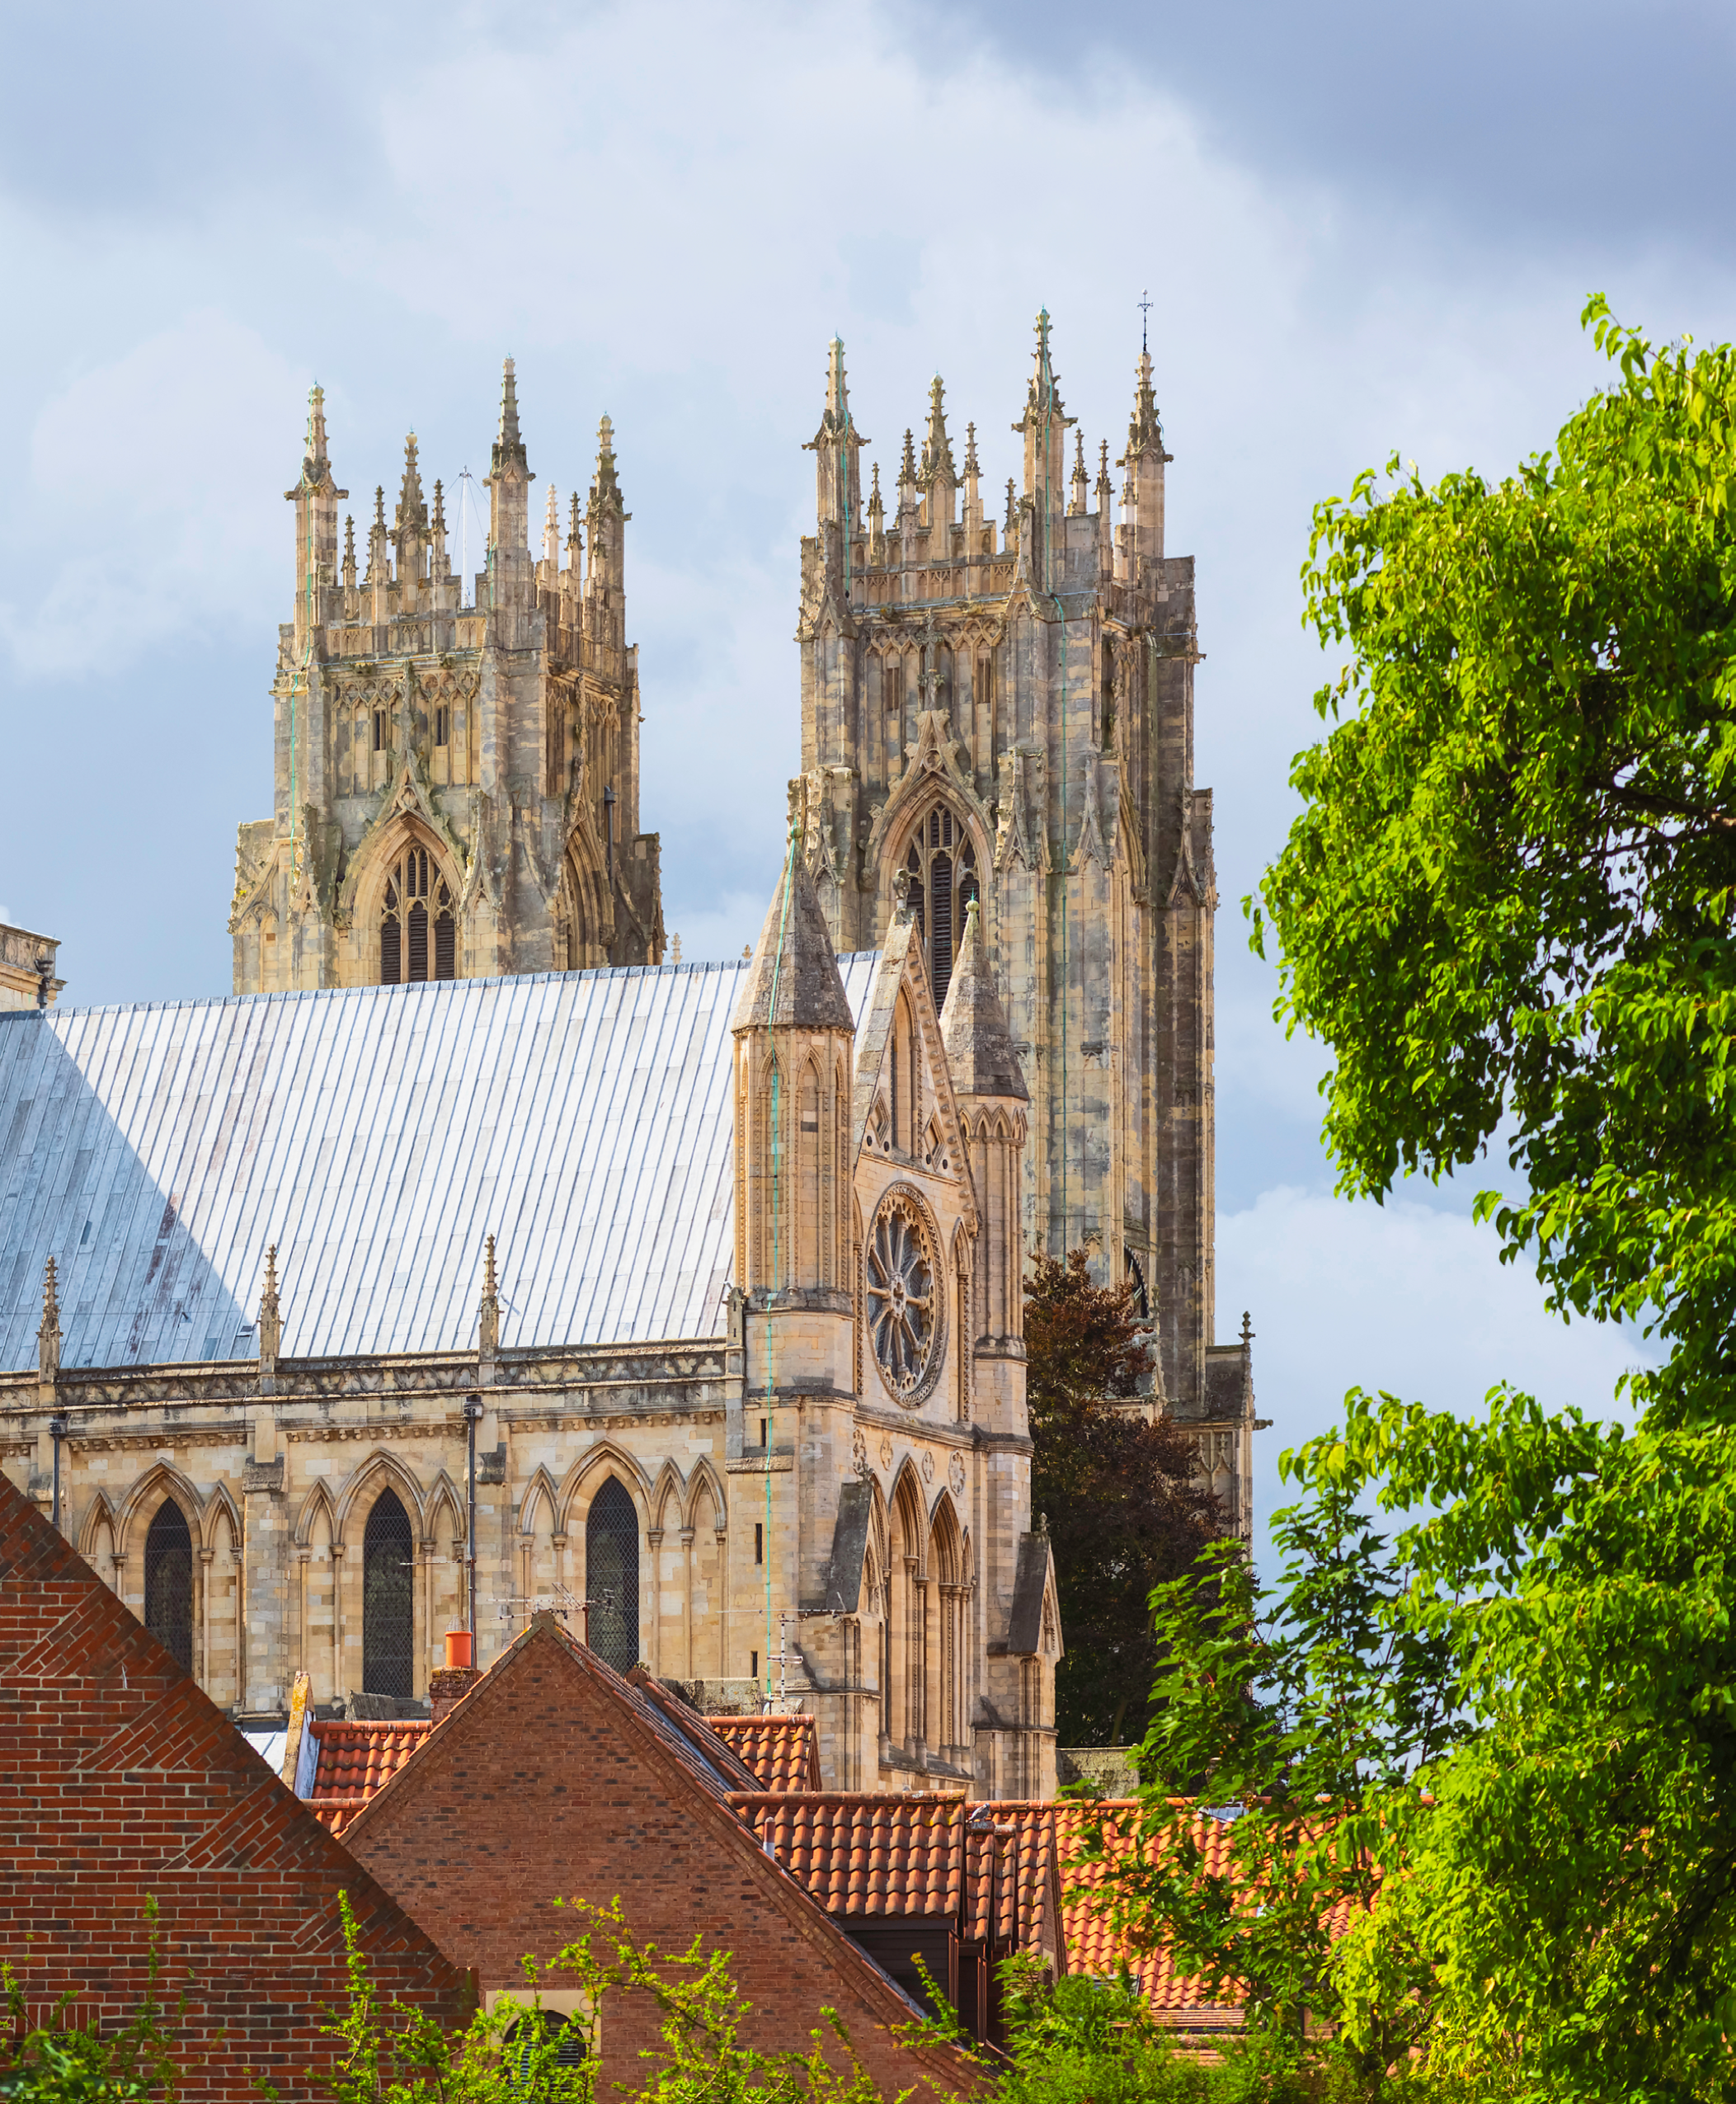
x: 168, y: 1583
x: 612, y: 1576
x: 388, y: 1636
x: 418, y: 926
x: 943, y: 865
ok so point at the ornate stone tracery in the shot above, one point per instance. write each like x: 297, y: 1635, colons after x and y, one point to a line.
x: 904, y: 1286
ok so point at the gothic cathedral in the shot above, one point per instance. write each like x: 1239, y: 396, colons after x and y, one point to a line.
x: 1005, y: 714
x: 457, y: 760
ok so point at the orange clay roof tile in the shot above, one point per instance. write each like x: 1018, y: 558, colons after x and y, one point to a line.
x: 784, y: 1753
x: 354, y: 1759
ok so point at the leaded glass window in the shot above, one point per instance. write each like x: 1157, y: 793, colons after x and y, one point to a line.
x: 418, y: 926
x: 168, y: 1583
x: 389, y: 1618
x: 612, y: 1576
x: 942, y: 862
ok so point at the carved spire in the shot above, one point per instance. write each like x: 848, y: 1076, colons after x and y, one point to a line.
x: 489, y: 1315
x: 441, y: 567
x: 1145, y: 427
x: 1081, y: 484
x: 48, y: 1337
x: 936, y: 448
x: 971, y: 466
x: 575, y: 538
x: 271, y: 1315
x: 877, y: 521
x: 378, y: 568
x: 1012, y: 510
x: 605, y: 489
x: 509, y: 448
x: 907, y: 466
x: 794, y: 957
x: 440, y: 507
x: 316, y: 467
x: 1104, y: 489
x: 412, y: 511
x: 349, y: 553
x: 552, y: 533
x: 1044, y: 424
x: 836, y: 447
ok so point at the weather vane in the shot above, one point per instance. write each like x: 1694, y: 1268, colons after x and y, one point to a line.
x: 1144, y: 309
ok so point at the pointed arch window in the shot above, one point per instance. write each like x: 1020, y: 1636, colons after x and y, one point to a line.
x: 389, y: 1633
x: 942, y: 861
x: 612, y: 1576
x: 418, y: 927
x: 168, y: 1583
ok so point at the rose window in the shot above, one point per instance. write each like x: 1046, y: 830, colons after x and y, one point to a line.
x: 900, y: 1294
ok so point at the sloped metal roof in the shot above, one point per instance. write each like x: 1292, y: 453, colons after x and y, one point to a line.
x: 375, y: 1134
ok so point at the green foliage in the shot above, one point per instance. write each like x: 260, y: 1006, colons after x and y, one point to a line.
x: 1298, y: 1714
x: 1086, y: 2038
x: 1509, y: 896
x: 1575, y: 1877
x: 505, y: 2056
x: 1124, y: 1511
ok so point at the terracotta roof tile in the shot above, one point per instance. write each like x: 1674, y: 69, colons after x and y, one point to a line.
x: 783, y: 1753
x: 354, y: 1759
x: 861, y: 1855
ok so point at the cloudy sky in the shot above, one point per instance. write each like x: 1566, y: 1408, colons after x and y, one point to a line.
x: 1361, y: 228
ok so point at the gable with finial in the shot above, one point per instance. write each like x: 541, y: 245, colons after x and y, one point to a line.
x: 935, y: 757
x: 406, y: 799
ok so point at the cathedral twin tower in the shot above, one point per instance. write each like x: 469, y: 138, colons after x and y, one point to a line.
x: 992, y: 710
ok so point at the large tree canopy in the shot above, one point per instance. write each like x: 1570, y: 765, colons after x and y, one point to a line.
x: 1510, y: 895
x: 1124, y: 1509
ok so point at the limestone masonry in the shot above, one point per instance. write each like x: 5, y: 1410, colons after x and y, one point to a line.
x: 475, y: 1262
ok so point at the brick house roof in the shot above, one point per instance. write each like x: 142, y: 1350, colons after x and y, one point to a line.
x: 781, y: 1753
x: 862, y: 1855
x: 351, y: 1760
x: 124, y: 1782
x: 556, y: 1778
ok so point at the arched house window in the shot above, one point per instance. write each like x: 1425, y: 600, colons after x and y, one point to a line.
x: 418, y: 923
x: 942, y: 861
x: 389, y: 1616
x: 168, y: 1583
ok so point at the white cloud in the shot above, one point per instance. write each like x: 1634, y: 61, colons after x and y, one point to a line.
x: 1402, y: 1298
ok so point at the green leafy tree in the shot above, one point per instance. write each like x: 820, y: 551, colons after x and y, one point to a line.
x: 1507, y: 901
x: 1124, y: 1511
x: 1506, y: 907
x: 1297, y: 1717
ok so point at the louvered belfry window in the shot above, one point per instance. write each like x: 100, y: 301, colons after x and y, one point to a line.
x: 942, y: 866
x: 418, y: 922
x: 168, y: 1583
x: 612, y: 1576
x: 389, y: 1619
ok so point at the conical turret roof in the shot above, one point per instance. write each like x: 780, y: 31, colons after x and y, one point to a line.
x: 973, y: 1024
x: 794, y: 951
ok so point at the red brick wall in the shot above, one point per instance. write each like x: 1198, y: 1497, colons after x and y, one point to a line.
x: 543, y: 1783
x: 119, y: 1780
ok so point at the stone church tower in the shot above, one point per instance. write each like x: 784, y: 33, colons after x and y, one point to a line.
x: 1002, y: 712
x: 456, y: 765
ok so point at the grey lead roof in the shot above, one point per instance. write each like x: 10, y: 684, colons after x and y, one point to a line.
x: 375, y: 1134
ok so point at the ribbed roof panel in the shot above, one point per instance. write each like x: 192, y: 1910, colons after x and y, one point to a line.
x: 376, y: 1135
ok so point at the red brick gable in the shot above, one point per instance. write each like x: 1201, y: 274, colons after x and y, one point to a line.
x: 554, y: 1777
x: 119, y: 1781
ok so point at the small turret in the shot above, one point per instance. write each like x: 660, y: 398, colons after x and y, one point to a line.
x: 938, y: 478
x: 973, y: 497
x: 551, y: 541
x: 410, y: 527
x: 509, y: 481
x: 1080, y: 498
x: 1142, y: 538
x: 837, y: 448
x: 606, y: 515
x: 1044, y: 428
x: 316, y: 497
